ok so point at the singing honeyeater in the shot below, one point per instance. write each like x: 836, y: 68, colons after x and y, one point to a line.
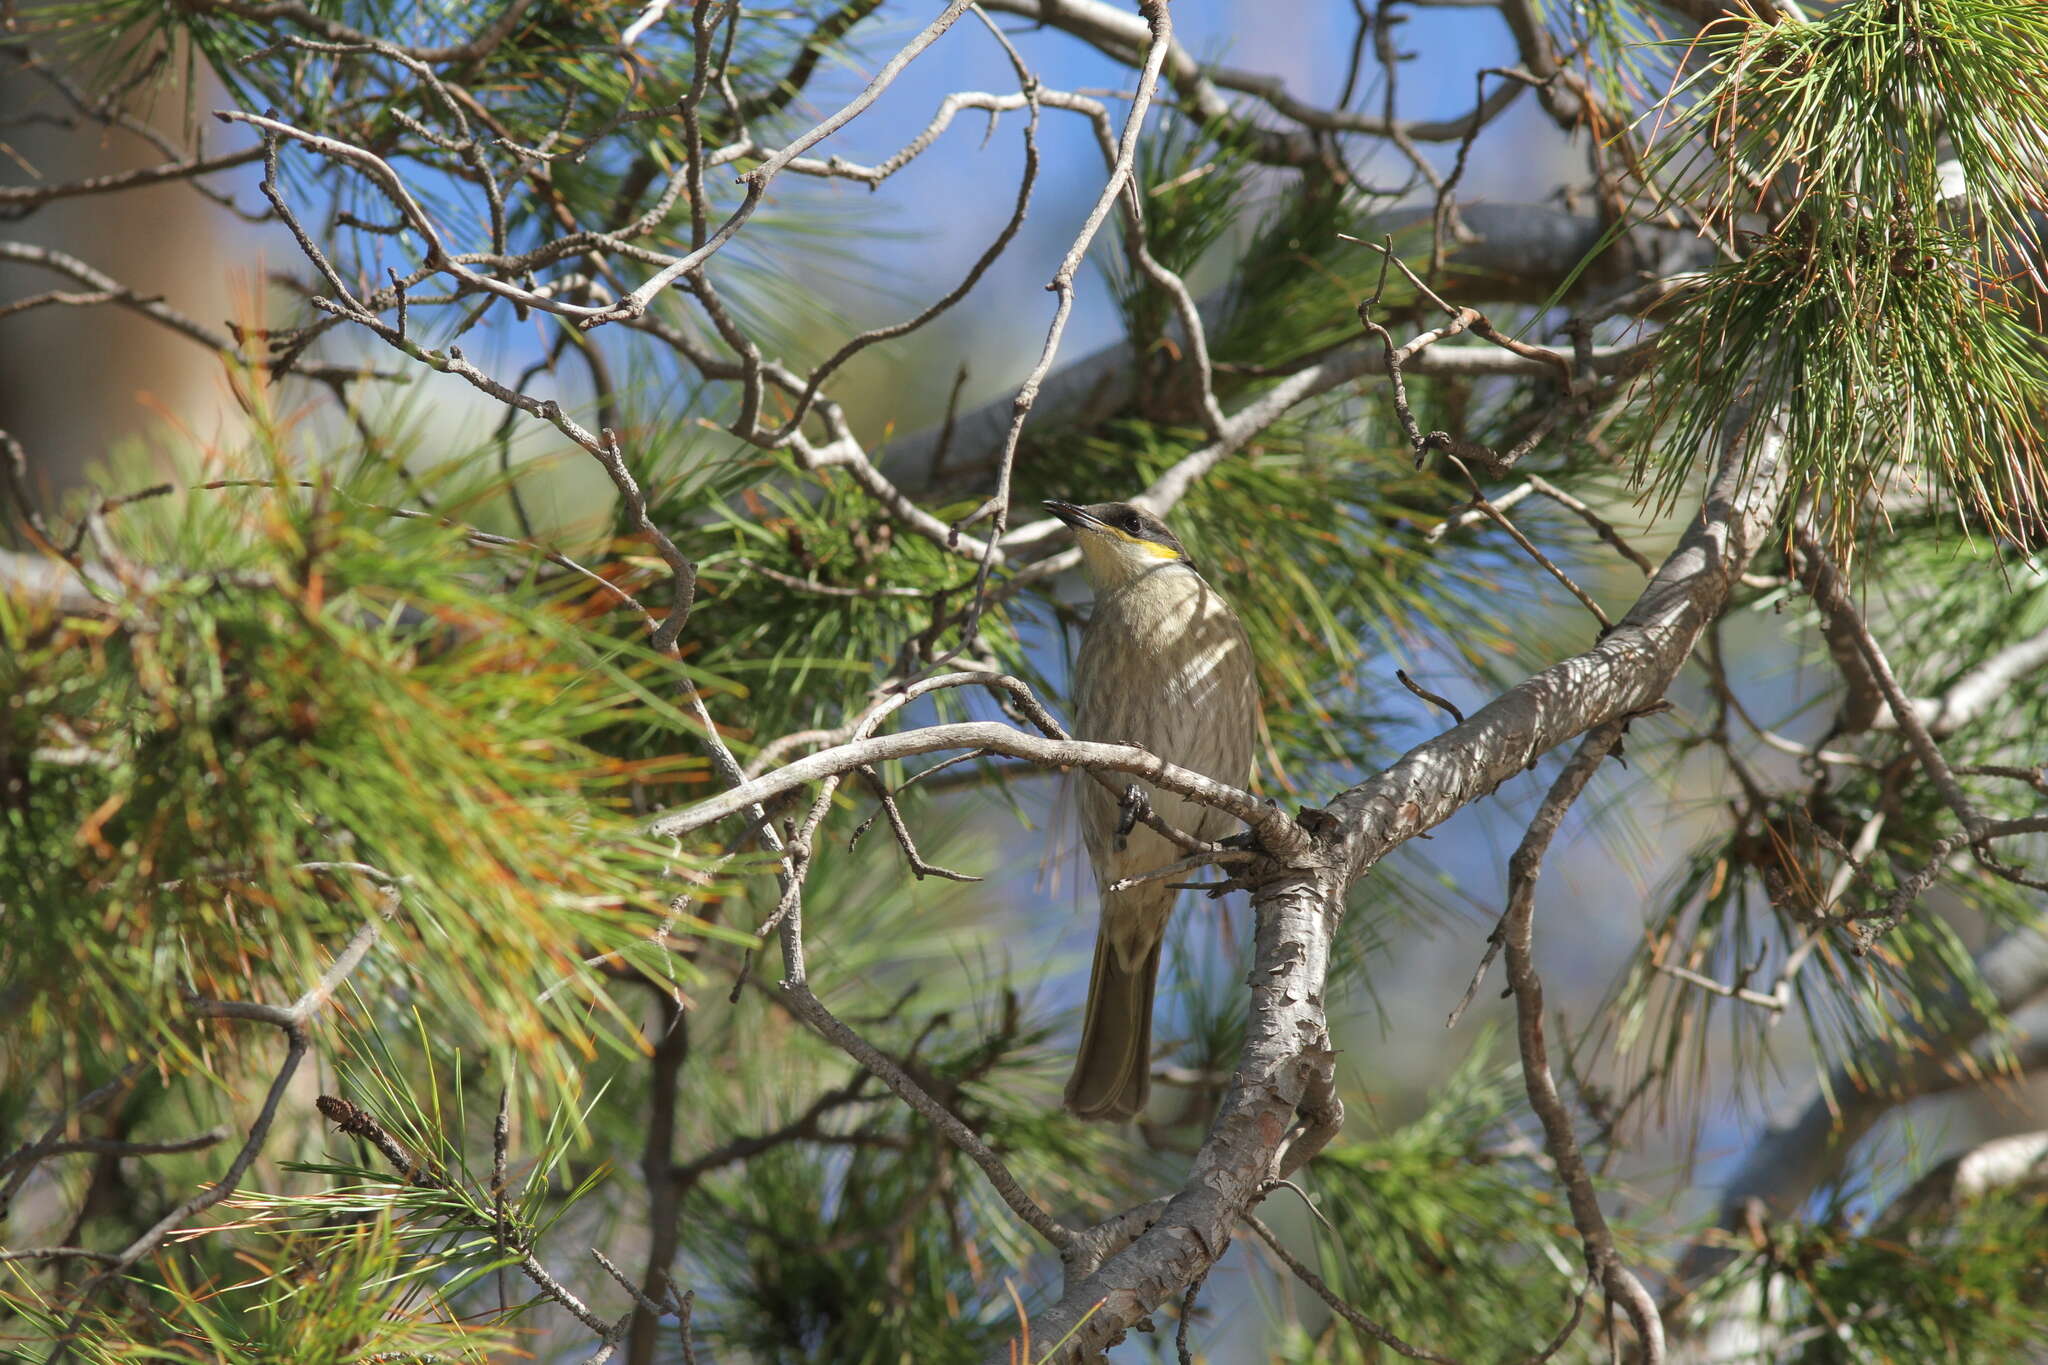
x: 1164, y: 664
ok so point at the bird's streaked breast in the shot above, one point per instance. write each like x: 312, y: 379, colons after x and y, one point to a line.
x: 1164, y: 664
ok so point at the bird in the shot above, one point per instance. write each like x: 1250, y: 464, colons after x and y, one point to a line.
x: 1164, y: 664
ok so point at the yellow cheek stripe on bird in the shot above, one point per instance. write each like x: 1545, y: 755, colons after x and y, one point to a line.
x: 1150, y: 547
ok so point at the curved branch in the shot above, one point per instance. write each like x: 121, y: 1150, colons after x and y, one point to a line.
x: 1122, y: 35
x: 1245, y: 424
x: 1517, y: 932
x: 1278, y: 834
x: 1286, y: 1045
x: 18, y: 201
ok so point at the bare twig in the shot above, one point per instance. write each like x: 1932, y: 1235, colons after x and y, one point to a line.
x: 1401, y: 675
x: 1493, y: 944
x: 1027, y: 181
x: 1832, y: 596
x: 1707, y: 983
x: 757, y: 180
x: 1279, y: 836
x: 1117, y: 32
x: 108, y: 1147
x: 1600, y: 526
x: 1973, y: 693
x: 1187, y: 1318
x: 919, y: 868
x: 24, y: 1167
x: 1911, y: 888
x: 1470, y: 514
x: 1190, y: 863
x: 18, y: 201
x: 1560, y: 1137
x: 997, y: 506
x: 1321, y: 1289
x: 806, y: 1126
x: 1500, y: 519
x: 805, y: 1005
x: 106, y: 289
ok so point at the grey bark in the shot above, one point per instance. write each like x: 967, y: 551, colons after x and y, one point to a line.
x: 1287, y: 1058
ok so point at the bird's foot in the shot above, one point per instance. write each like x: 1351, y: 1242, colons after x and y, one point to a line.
x: 1130, y: 810
x: 1310, y: 819
x: 1214, y: 890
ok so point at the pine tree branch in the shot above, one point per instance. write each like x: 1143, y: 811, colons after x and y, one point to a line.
x: 292, y: 1020
x: 1785, y: 1166
x: 1516, y: 933
x: 1971, y: 695
x: 1122, y: 35
x: 1297, y: 908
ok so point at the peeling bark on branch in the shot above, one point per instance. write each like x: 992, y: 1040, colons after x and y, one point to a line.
x: 1626, y: 671
x: 1287, y: 1045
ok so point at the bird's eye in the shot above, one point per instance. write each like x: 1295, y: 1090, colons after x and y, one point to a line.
x: 1131, y: 523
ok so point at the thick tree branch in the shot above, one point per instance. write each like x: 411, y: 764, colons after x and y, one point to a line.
x: 1297, y: 909
x: 1627, y: 671
x: 2013, y: 1162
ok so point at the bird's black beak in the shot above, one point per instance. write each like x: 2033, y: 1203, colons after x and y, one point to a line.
x: 1073, y: 515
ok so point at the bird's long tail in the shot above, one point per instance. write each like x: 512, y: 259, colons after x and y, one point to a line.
x: 1113, y: 1070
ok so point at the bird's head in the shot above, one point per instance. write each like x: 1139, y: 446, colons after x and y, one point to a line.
x: 1120, y: 541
